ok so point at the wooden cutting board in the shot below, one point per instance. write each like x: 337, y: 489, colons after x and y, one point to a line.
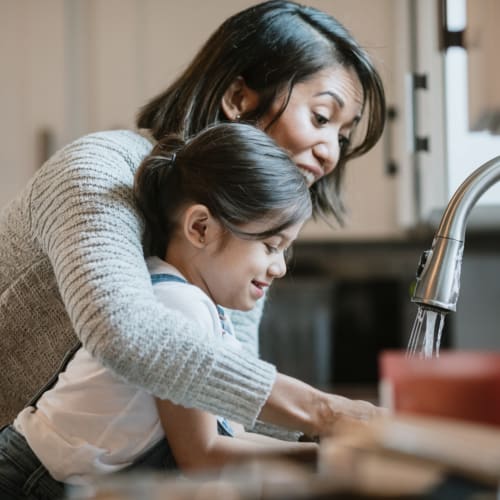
x: 404, y: 455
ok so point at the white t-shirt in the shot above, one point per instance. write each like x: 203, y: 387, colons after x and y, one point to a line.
x: 92, y: 422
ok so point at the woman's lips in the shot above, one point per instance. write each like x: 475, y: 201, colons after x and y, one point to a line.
x: 311, y: 175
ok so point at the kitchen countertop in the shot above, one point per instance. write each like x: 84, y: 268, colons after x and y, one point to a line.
x: 358, y: 461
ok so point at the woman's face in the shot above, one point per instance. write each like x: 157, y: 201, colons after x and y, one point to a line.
x: 318, y: 120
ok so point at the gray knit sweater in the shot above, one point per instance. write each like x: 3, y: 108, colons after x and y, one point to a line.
x: 72, y: 267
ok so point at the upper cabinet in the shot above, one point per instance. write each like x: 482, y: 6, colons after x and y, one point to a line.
x: 33, y: 96
x: 75, y: 66
x: 482, y: 41
x: 452, y: 100
x: 373, y: 181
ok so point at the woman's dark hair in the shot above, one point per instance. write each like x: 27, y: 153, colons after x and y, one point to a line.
x: 273, y: 46
x: 236, y: 170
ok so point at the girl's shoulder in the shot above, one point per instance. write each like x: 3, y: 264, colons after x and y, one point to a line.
x: 183, y: 297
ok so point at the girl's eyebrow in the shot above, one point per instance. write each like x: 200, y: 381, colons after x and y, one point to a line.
x: 284, y: 238
x: 277, y: 235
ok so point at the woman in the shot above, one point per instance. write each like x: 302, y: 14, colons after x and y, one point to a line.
x: 71, y: 254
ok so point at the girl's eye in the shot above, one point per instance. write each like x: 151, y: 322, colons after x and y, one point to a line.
x: 320, y: 119
x: 271, y: 248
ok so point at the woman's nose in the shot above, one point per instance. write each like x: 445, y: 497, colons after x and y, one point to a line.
x: 278, y: 268
x: 327, y: 152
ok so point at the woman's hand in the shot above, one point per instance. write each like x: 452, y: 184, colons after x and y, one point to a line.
x: 333, y: 409
x: 298, y: 406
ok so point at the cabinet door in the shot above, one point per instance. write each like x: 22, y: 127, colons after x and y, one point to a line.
x: 296, y: 332
x: 445, y: 113
x: 372, y: 188
x: 33, y: 88
x: 467, y: 147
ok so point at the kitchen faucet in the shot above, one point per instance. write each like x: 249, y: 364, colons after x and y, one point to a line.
x: 438, y: 272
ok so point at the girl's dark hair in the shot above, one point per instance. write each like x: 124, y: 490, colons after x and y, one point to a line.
x: 273, y: 46
x: 236, y: 170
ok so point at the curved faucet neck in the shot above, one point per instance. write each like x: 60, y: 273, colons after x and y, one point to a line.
x: 454, y: 220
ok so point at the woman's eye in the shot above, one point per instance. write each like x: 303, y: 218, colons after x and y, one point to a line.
x: 343, y: 141
x: 320, y: 119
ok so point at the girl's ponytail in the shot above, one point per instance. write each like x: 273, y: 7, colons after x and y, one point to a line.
x: 156, y: 180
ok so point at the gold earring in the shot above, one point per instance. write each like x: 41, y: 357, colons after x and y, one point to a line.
x: 237, y: 118
x: 202, y: 240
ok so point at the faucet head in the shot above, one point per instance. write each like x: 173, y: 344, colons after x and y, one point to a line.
x: 438, y: 275
x: 438, y: 279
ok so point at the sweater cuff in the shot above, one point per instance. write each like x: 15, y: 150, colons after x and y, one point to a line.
x: 275, y: 431
x: 236, y: 386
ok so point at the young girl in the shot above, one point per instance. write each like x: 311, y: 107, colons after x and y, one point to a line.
x: 221, y: 211
x: 71, y: 256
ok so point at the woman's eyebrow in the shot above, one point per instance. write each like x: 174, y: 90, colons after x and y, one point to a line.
x: 339, y: 101
x: 333, y: 95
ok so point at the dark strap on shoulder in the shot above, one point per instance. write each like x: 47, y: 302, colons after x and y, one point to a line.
x: 164, y: 277
x: 223, y: 425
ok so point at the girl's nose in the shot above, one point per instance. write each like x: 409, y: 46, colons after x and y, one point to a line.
x: 278, y: 268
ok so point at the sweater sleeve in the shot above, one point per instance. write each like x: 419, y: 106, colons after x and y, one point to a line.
x: 84, y: 217
x: 246, y: 327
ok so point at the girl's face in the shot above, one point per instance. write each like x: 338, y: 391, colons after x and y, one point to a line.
x: 237, y: 271
x: 318, y: 120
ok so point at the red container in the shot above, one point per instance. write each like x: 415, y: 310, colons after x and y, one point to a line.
x: 463, y: 385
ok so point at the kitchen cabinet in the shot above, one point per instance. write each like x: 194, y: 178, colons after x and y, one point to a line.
x: 297, y: 326
x: 75, y: 66
x: 482, y: 40
x: 440, y: 142
x: 33, y: 96
x: 444, y: 139
x: 70, y: 67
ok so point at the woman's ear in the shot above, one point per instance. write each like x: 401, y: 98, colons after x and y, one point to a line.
x: 238, y: 99
x: 198, y: 222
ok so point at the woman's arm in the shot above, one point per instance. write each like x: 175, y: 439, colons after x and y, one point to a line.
x: 196, y: 445
x: 85, y: 220
x: 295, y: 404
x: 246, y: 327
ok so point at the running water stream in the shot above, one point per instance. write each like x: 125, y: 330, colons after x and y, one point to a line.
x: 425, y: 337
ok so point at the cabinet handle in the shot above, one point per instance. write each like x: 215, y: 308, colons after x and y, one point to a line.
x: 45, y: 144
x: 391, y: 166
x: 448, y: 38
x: 415, y: 82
